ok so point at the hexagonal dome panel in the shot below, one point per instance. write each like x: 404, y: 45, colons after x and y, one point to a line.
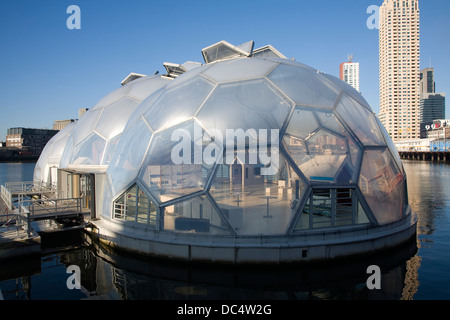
x: 302, y: 123
x: 361, y: 121
x: 178, y: 103
x: 383, y: 185
x: 252, y: 104
x: 304, y: 86
x: 174, y: 165
x: 90, y: 151
x: 257, y: 204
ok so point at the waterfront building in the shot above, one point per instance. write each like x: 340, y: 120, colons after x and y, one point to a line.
x: 432, y: 104
x: 399, y: 58
x: 29, y: 139
x: 349, y: 72
x: 60, y: 124
x: 241, y: 159
x: 436, y: 129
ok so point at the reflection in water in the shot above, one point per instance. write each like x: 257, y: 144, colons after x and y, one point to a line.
x: 150, y: 279
x: 108, y: 275
x: 415, y: 271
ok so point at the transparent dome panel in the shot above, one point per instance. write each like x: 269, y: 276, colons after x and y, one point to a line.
x: 322, y: 157
x: 361, y: 121
x: 130, y: 152
x: 114, y: 117
x: 89, y: 151
x: 239, y: 69
x: 195, y: 215
x: 178, y: 103
x: 303, y: 86
x: 348, y: 89
x: 175, y: 165
x: 382, y: 185
x: 391, y: 146
x: 329, y: 121
x: 302, y: 123
x: 252, y: 104
x: 254, y: 203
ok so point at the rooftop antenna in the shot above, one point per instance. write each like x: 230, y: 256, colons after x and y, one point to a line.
x: 350, y: 57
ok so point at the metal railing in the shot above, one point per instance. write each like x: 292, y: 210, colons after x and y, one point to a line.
x: 29, y: 186
x: 23, y: 220
x: 20, y: 219
x: 54, y: 207
x: 7, y: 197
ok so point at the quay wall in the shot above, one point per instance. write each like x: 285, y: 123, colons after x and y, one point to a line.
x: 435, y: 156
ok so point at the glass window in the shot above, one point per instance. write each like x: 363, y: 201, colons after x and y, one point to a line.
x: 195, y: 215
x: 225, y: 50
x: 254, y: 203
x: 134, y: 206
x: 331, y: 207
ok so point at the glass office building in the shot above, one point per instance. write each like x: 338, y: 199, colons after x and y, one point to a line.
x: 247, y: 158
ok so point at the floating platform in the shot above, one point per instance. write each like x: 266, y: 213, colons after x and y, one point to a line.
x: 15, y: 242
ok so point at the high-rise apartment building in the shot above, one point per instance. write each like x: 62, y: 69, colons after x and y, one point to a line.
x: 432, y: 104
x: 349, y: 72
x: 399, y: 45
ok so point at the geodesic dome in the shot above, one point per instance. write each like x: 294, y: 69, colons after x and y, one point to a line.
x: 337, y: 165
x: 249, y: 152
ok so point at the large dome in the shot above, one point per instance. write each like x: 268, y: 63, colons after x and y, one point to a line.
x: 248, y: 145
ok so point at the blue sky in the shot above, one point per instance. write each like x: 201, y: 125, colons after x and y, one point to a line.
x: 48, y: 72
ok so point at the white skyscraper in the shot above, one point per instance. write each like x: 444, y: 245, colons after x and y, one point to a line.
x: 349, y: 72
x: 399, y: 45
